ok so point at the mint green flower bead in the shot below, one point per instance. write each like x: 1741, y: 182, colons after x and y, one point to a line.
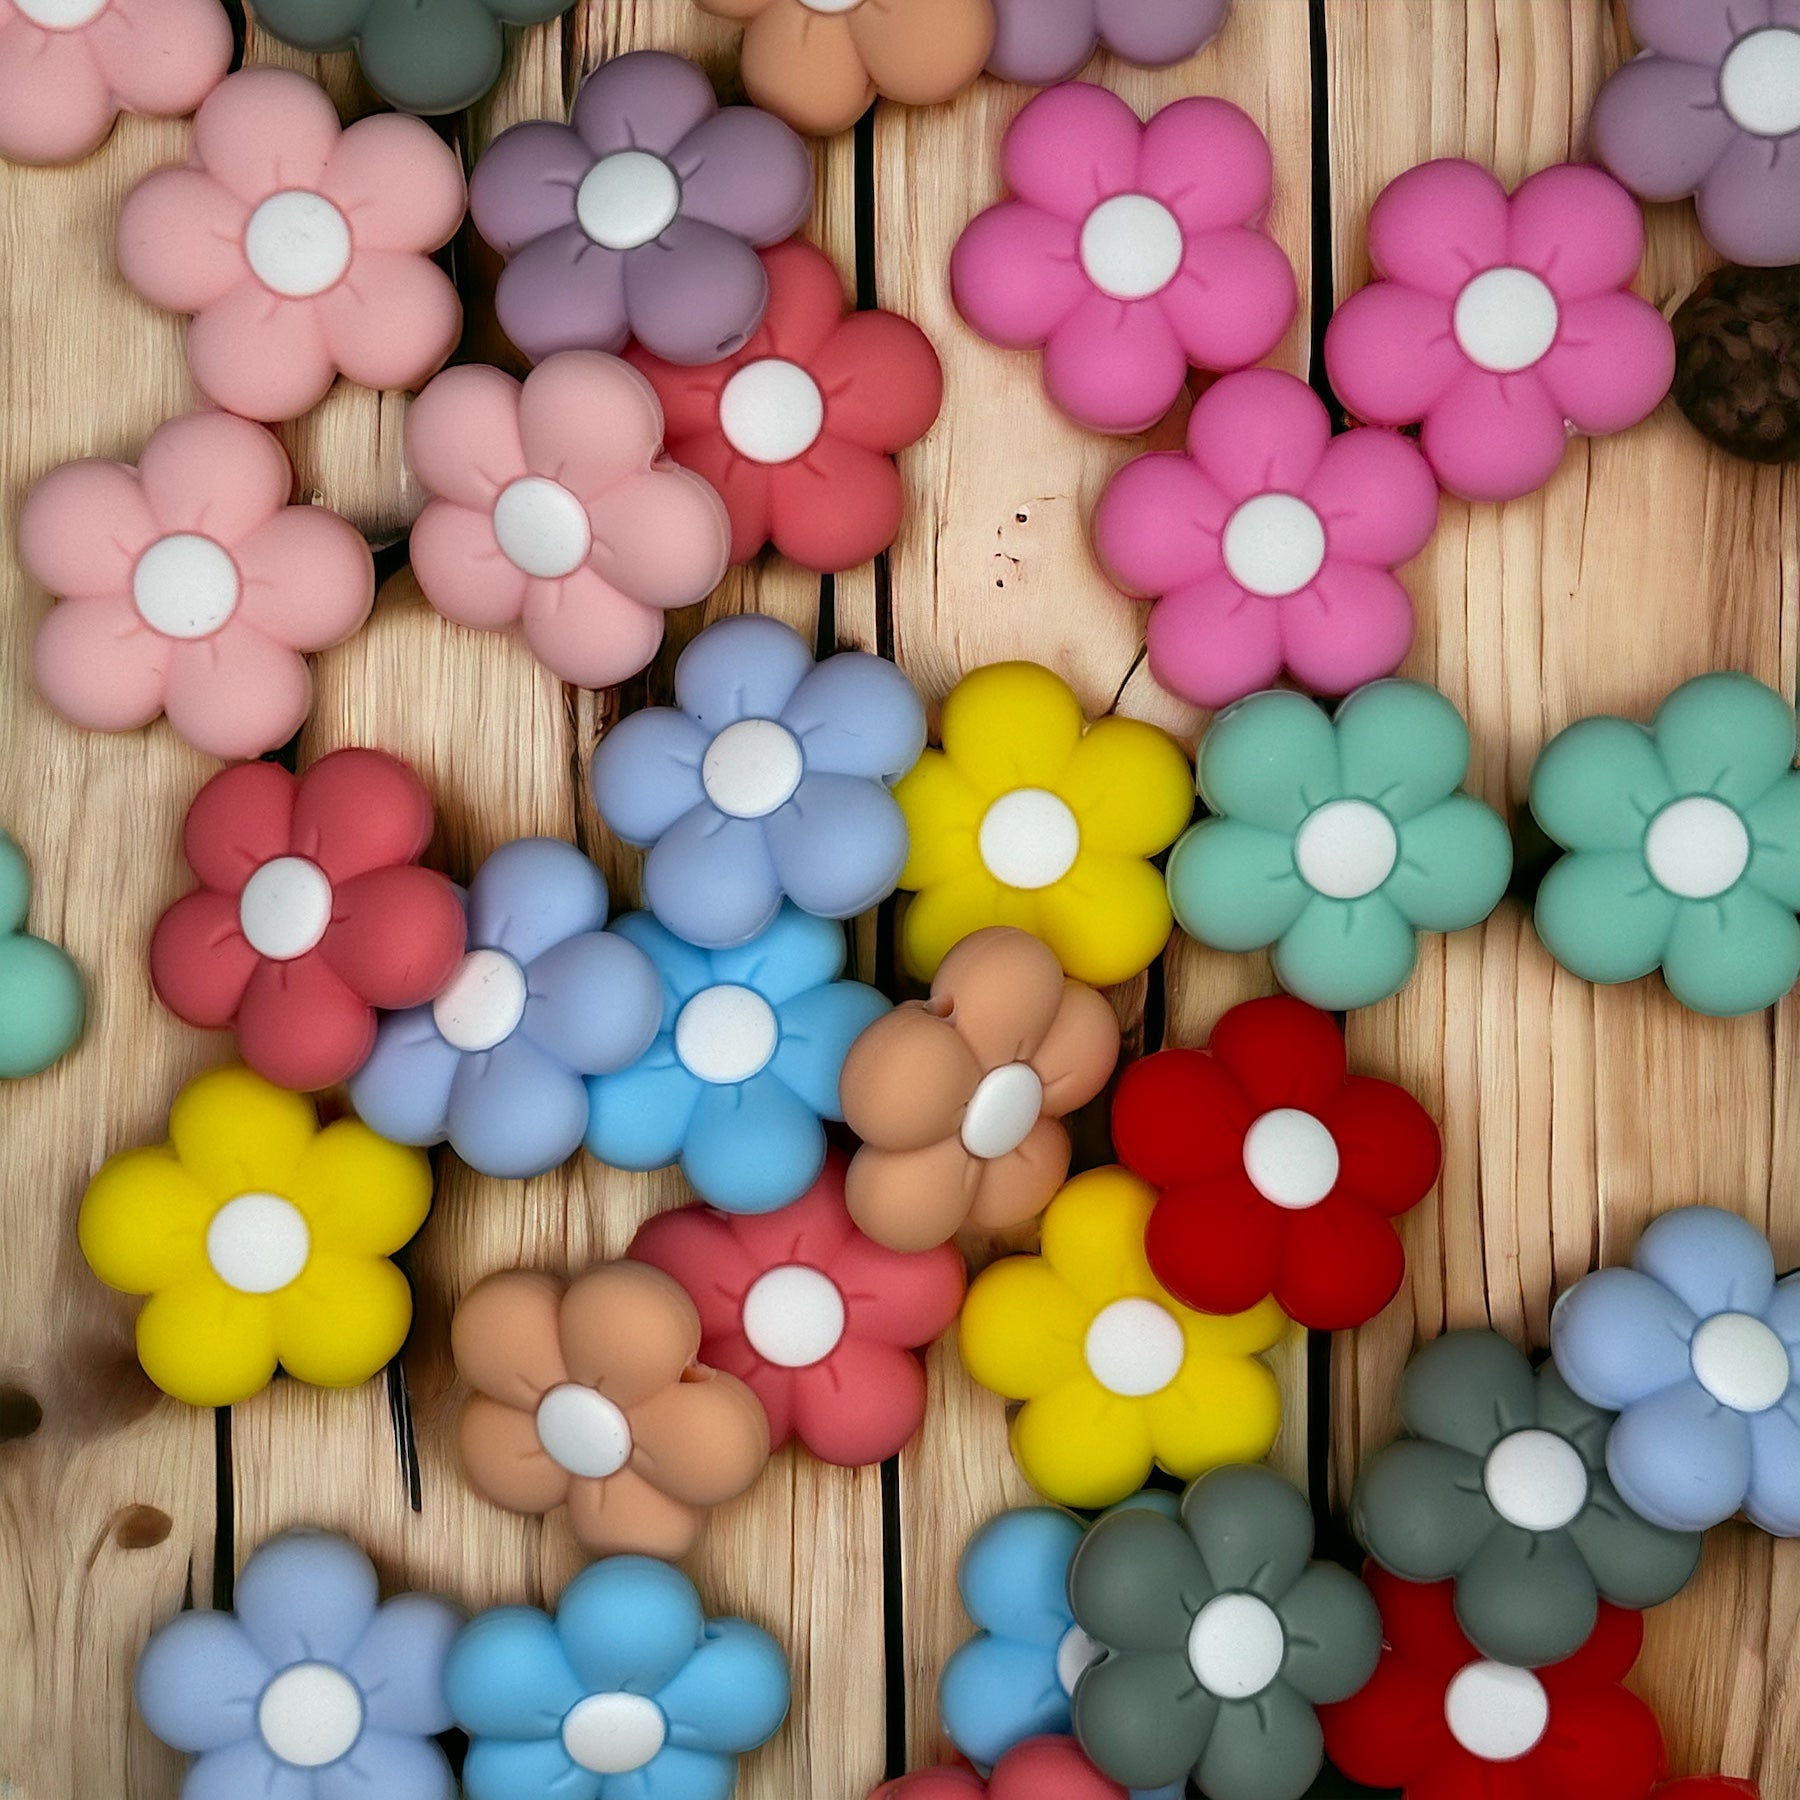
x: 41, y: 1004
x: 1684, y: 846
x: 1334, y: 842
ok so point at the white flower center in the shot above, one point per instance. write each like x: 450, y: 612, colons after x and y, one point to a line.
x: 1074, y: 1654
x: 1291, y: 1158
x: 726, y: 1034
x: 1134, y: 1347
x: 484, y: 1002
x: 612, y: 1734
x: 627, y: 199
x: 1741, y: 1362
x: 830, y: 6
x: 794, y: 1317
x: 1346, y: 848
x: 258, y: 1243
x: 1535, y: 1480
x: 1029, y: 838
x: 310, y: 1715
x: 61, y: 15
x: 1131, y: 246
x: 1505, y: 320
x: 1496, y: 1712
x: 583, y: 1431
x: 297, y: 244
x: 771, y: 411
x: 185, y: 586
x: 1697, y: 847
x: 1759, y: 83
x: 1273, y: 545
x: 1003, y: 1110
x: 285, y: 908
x: 1235, y: 1646
x: 542, y: 528
x: 752, y: 768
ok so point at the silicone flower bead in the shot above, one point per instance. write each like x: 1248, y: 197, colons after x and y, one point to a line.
x: 1270, y: 545
x: 1041, y: 41
x: 1502, y: 1485
x: 1338, y: 840
x: 587, y: 1395
x: 303, y: 249
x: 190, y: 586
x: 1276, y: 1171
x: 545, y: 996
x: 1045, y: 1768
x: 745, y: 1067
x: 1218, y: 1640
x: 309, y: 915
x: 767, y: 780
x: 42, y: 1005
x: 1439, y: 1719
x: 629, y: 1690
x: 1711, y: 107
x: 817, y: 1321
x: 797, y: 430
x: 1127, y: 251
x: 959, y: 1098
x: 1032, y: 817
x: 1693, y: 1346
x: 1501, y: 323
x: 311, y: 1680
x: 821, y: 63
x: 258, y: 1239
x: 68, y: 70
x: 1686, y: 842
x: 1116, y: 1375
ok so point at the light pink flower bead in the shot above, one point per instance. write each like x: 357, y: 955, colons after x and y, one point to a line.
x: 300, y: 247
x: 68, y: 68
x: 1128, y: 251
x: 1501, y: 323
x: 189, y: 586
x: 1270, y: 544
x: 554, y: 508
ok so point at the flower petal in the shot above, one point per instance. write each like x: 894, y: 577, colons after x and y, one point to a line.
x: 1108, y: 918
x: 1658, y: 125
x: 508, y: 1679
x: 630, y: 1625
x: 505, y: 1461
x: 462, y: 570
x: 245, y: 473
x: 1732, y: 955
x: 1389, y: 1151
x: 1351, y: 626
x: 1270, y: 761
x: 729, y: 1696
x: 1602, y: 917
x: 396, y: 182
x: 359, y: 1193
x: 1016, y: 274
x: 308, y: 578
x: 595, y: 1005
x: 710, y: 162
x: 1234, y: 885
x: 640, y: 1117
x: 1620, y: 1337
x: 649, y: 101
x: 710, y: 879
x: 1420, y: 1509
x: 943, y: 808
x: 996, y: 1692
x: 1679, y: 29
x: 1277, y: 1739
x: 343, y: 1320
x: 246, y: 1767
x: 1576, y: 263
x: 1711, y: 1260
x: 1391, y: 353
x: 1494, y: 437
x: 506, y: 1337
x: 259, y: 354
x: 1402, y: 745
x: 1438, y: 224
x: 403, y: 1090
x: 645, y: 773
x: 838, y: 845
x: 587, y: 632
x: 514, y: 1111
x: 181, y: 239
x: 1774, y: 826
x: 1333, y: 1634
x: 1144, y: 1718
x: 399, y: 1664
x: 1747, y: 201
x: 100, y: 666
x: 143, y: 1221
x: 306, y: 1596
x: 1611, y: 364
x: 1071, y: 148
x: 1527, y: 1597
x: 1212, y: 643
x: 498, y: 1766
x: 387, y: 1762
x: 562, y: 291
x: 265, y: 130
x: 1233, y: 299
x: 694, y: 293
x: 1082, y: 1446
x: 835, y: 507
x: 1455, y: 861
x: 1129, y: 786
x: 392, y: 321
x: 893, y: 45
x: 1727, y: 735
x: 198, y: 1681
x: 1597, y: 785
x: 1136, y: 1580
x: 1680, y: 1459
x: 1467, y: 1390
x: 523, y: 188
x: 1207, y: 162
x: 753, y: 1147
x: 1023, y: 1328
x: 1343, y: 1267
x: 1262, y: 431
x: 200, y: 961
x: 237, y: 693
x: 1376, y: 496
x: 882, y: 381
x: 702, y: 1439
x: 1159, y: 521
x: 1633, y: 1562
x: 1220, y: 1409
x: 58, y: 106
x: 396, y: 935
x: 1216, y: 1244
x: 1773, y: 1499
x: 862, y: 1405
x: 1014, y: 1575
x: 462, y: 436
x: 1115, y: 365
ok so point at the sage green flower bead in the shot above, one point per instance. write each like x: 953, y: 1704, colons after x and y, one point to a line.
x: 41, y: 1003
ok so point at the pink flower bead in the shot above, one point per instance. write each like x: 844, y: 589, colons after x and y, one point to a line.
x: 1500, y: 323
x: 68, y: 68
x: 189, y: 586
x: 1128, y: 251
x: 300, y: 247
x: 554, y: 508
x: 1269, y: 544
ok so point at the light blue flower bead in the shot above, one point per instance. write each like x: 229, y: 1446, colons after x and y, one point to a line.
x: 1694, y: 1347
x: 545, y: 997
x: 630, y: 1693
x: 310, y: 1687
x: 769, y: 779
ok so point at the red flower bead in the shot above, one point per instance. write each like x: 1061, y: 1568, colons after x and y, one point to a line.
x: 1438, y: 1722
x: 1046, y: 1768
x: 1277, y: 1173
x: 797, y: 430
x: 310, y: 913
x: 819, y: 1321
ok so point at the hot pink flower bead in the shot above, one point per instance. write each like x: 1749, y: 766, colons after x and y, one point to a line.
x: 68, y: 68
x: 1128, y: 251
x: 1269, y: 544
x: 189, y: 586
x: 300, y: 247
x: 554, y: 508
x: 1500, y: 323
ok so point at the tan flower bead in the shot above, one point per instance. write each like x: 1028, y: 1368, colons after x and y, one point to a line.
x: 588, y: 1395
x: 958, y: 1099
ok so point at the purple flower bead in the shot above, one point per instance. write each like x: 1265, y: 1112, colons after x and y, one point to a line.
x: 1045, y: 41
x: 1712, y: 108
x: 642, y: 218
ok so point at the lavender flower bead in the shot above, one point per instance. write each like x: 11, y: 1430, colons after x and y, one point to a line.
x: 642, y: 218
x: 544, y: 997
x: 1045, y: 41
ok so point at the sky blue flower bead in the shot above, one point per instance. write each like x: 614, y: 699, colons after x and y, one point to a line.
x: 745, y: 1066
x: 545, y: 997
x: 310, y: 1680
x: 769, y: 779
x: 629, y: 1693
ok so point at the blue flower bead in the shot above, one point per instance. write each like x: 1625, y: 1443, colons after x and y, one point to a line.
x: 1694, y: 1348
x: 769, y: 779
x: 745, y: 1066
x: 309, y: 1679
x: 630, y: 1693
x: 544, y: 997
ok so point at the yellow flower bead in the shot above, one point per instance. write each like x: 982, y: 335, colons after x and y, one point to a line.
x: 258, y: 1239
x: 1029, y: 816
x: 1114, y: 1372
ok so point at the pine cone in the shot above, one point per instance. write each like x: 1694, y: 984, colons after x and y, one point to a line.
x: 1737, y: 362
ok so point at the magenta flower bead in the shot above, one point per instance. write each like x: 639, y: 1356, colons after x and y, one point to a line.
x: 1269, y: 545
x: 1501, y: 323
x: 1128, y: 251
